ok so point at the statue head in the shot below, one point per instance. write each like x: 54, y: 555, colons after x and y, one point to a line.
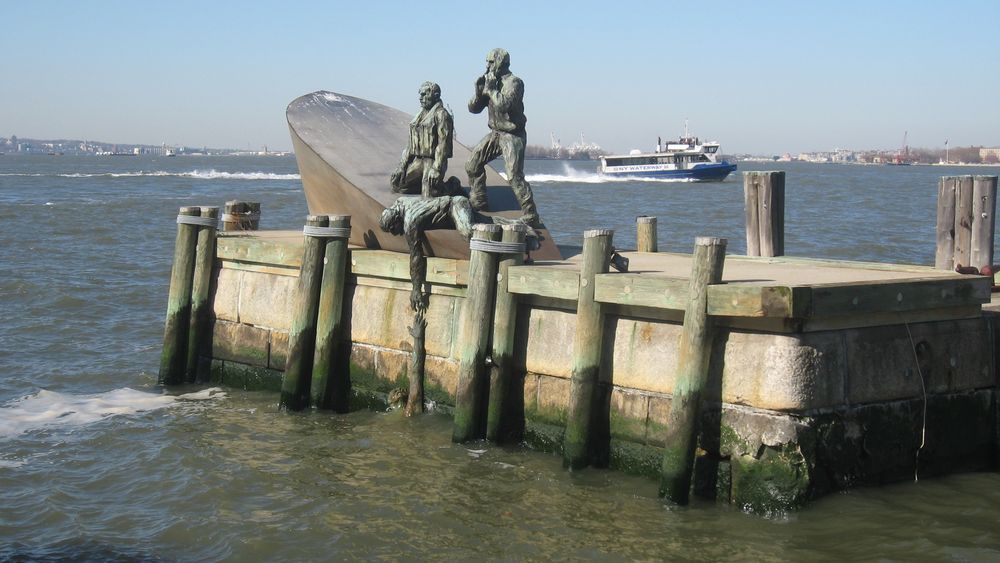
x: 391, y: 220
x: 430, y: 94
x: 497, y: 61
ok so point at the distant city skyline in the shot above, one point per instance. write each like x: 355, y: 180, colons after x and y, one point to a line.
x: 771, y: 77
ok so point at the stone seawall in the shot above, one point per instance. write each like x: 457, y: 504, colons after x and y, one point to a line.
x: 790, y: 415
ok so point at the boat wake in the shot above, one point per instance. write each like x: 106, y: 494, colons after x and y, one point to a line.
x: 197, y: 174
x: 574, y: 176
x: 51, y: 409
x: 595, y: 178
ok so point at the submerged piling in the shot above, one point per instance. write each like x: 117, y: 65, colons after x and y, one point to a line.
x: 295, y: 385
x: 173, y: 358
x: 645, y: 234
x: 199, y: 336
x: 692, y: 371
x: 578, y: 442
x: 475, y: 324
x: 331, y: 378
x: 500, y: 425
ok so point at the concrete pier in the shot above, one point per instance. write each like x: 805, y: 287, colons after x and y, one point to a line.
x: 814, y: 380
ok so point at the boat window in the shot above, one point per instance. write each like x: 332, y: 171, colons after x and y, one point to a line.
x: 711, y: 149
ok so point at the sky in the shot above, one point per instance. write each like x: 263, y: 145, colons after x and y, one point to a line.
x: 763, y: 77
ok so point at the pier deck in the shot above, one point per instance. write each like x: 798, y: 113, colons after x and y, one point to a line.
x: 783, y: 294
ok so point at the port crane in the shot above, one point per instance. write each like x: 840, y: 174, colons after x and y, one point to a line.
x: 903, y: 155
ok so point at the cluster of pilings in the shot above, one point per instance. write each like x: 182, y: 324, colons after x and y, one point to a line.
x: 186, y: 337
x: 965, y: 222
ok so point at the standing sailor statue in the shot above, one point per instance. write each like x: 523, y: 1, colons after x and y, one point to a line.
x: 503, y: 93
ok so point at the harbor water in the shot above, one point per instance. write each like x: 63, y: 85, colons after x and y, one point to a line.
x: 99, y: 463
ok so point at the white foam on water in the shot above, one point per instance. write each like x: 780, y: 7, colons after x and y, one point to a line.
x: 51, y: 409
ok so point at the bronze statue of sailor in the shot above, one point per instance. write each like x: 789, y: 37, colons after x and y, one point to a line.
x: 424, y: 161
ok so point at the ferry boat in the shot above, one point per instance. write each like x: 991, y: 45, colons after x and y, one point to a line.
x: 686, y: 159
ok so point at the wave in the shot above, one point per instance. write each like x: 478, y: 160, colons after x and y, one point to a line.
x: 51, y: 409
x: 198, y: 174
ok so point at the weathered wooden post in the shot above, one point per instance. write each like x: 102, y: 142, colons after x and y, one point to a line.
x: 241, y: 216
x: 474, y: 334
x: 198, y: 336
x: 984, y: 196
x: 764, y: 199
x: 499, y: 426
x: 645, y: 233
x: 295, y: 385
x: 692, y: 371
x: 963, y: 221
x: 331, y: 378
x: 944, y: 255
x: 173, y: 358
x: 578, y: 442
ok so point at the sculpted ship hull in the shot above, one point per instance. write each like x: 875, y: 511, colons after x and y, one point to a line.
x: 347, y: 148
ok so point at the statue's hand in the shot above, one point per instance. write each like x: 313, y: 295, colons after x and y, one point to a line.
x: 433, y: 175
x: 396, y: 180
x: 480, y: 82
x: 417, y: 300
x: 492, y: 81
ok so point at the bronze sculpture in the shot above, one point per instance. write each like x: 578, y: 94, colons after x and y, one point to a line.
x: 503, y: 93
x: 424, y: 161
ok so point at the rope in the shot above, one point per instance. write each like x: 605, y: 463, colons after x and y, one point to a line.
x: 496, y: 247
x: 327, y: 232
x: 234, y: 217
x: 923, y: 390
x: 199, y: 221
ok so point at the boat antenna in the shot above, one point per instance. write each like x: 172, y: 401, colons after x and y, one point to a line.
x: 685, y: 128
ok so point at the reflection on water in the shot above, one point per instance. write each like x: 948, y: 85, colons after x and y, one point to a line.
x: 96, y: 463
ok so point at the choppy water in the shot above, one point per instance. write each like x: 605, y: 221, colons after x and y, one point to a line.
x: 98, y: 463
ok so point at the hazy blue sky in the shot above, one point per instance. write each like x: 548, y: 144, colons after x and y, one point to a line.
x: 765, y: 77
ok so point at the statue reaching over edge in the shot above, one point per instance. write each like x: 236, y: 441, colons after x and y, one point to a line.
x: 411, y: 216
x: 503, y: 93
x: 425, y: 158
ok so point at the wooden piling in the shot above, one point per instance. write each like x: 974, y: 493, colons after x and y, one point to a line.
x: 764, y: 198
x: 198, y: 356
x: 963, y: 220
x: 578, y: 442
x: 295, y: 385
x: 331, y: 378
x: 944, y: 255
x: 173, y: 358
x: 500, y: 426
x: 692, y: 371
x: 645, y: 234
x: 984, y: 201
x: 241, y: 216
x: 474, y: 329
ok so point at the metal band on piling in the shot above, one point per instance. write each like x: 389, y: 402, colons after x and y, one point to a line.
x: 212, y: 222
x: 326, y: 232
x: 497, y: 247
x: 233, y: 218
